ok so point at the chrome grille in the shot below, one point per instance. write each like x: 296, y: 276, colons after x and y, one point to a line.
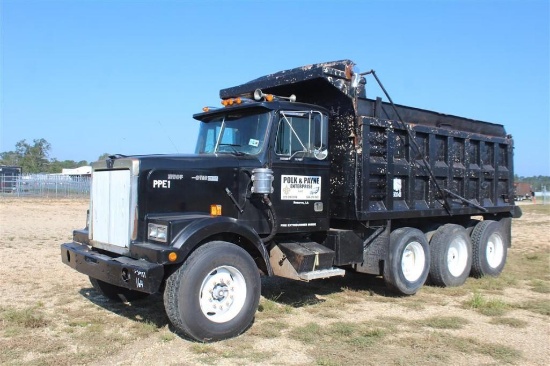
x: 111, y: 214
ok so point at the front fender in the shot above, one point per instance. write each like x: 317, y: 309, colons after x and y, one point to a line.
x: 193, y: 234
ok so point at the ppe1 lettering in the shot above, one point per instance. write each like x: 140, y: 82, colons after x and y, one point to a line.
x: 161, y: 183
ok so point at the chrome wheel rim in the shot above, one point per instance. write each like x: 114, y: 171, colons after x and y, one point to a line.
x: 222, y: 294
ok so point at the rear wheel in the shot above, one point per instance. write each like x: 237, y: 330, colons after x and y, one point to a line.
x: 489, y: 247
x: 408, y: 262
x: 116, y: 293
x: 451, y: 256
x: 214, y: 295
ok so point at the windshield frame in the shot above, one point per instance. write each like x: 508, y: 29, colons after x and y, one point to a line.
x: 252, y: 140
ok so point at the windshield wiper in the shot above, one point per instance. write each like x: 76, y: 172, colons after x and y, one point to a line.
x: 232, y: 146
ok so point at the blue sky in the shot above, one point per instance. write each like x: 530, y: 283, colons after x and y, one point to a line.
x: 126, y: 76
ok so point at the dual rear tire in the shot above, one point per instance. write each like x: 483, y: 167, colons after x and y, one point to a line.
x: 450, y: 257
x: 408, y: 263
x: 490, y: 249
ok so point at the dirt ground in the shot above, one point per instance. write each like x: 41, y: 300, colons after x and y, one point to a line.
x: 49, y: 314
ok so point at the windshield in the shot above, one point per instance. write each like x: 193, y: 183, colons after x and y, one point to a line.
x: 234, y: 133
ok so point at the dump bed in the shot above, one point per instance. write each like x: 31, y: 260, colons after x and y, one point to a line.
x: 423, y: 164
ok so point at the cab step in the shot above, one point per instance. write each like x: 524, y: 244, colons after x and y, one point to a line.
x: 322, y: 273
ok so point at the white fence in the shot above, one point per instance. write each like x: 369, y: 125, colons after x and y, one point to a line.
x: 45, y: 185
x: 543, y: 196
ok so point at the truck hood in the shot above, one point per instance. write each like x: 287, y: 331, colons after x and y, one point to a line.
x: 174, y: 184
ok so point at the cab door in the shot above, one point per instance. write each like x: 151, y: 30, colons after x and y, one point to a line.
x: 300, y: 167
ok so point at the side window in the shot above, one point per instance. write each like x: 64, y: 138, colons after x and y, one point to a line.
x: 302, y: 134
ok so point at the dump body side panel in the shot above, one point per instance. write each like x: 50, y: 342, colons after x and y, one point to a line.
x: 396, y: 183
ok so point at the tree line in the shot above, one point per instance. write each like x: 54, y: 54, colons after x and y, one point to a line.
x: 538, y: 183
x: 34, y: 158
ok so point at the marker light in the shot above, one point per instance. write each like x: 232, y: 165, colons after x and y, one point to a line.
x: 216, y: 210
x: 173, y: 256
x: 231, y: 101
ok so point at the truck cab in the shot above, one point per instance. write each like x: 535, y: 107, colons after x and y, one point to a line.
x: 291, y: 139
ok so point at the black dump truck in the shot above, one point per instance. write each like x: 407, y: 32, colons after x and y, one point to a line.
x: 298, y: 174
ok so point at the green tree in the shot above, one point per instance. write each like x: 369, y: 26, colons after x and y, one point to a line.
x: 57, y: 166
x: 33, y: 158
x: 10, y: 158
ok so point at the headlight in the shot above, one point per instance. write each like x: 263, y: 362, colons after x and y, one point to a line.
x: 157, y: 232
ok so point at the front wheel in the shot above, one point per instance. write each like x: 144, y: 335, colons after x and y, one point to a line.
x: 489, y: 247
x: 214, y: 295
x: 408, y: 262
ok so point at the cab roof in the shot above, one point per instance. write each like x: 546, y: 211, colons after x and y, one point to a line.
x: 254, y: 105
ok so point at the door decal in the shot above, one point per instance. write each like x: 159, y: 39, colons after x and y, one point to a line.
x: 300, y: 187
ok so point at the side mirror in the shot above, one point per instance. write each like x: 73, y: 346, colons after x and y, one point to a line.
x: 355, y: 79
x: 320, y: 153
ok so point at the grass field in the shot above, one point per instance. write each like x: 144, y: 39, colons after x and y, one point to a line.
x: 50, y: 315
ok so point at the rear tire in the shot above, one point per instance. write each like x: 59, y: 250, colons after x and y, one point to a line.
x: 451, y: 256
x: 116, y: 293
x: 490, y: 248
x: 408, y: 262
x: 214, y: 295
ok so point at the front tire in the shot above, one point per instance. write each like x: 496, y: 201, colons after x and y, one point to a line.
x: 214, y: 295
x: 451, y: 256
x: 490, y: 248
x: 408, y: 262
